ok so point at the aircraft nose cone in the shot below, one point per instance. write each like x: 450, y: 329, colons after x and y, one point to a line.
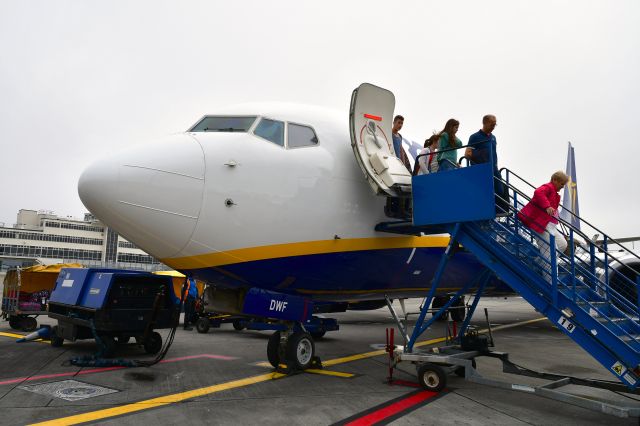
x: 151, y: 194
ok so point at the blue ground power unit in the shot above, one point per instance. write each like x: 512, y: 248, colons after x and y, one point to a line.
x: 112, y: 306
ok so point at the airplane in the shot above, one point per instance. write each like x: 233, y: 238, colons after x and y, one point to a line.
x: 274, y: 205
x: 267, y: 199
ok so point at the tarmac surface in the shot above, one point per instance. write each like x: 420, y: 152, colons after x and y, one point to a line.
x: 222, y: 378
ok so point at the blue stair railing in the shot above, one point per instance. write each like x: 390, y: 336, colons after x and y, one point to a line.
x: 590, y: 287
x: 590, y: 292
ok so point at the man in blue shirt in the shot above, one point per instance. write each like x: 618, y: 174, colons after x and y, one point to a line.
x: 190, y: 304
x: 398, y: 122
x: 482, y: 145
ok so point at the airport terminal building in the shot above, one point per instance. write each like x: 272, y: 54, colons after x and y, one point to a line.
x: 43, y: 237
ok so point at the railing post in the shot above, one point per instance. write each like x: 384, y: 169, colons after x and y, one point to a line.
x: 592, y: 264
x: 606, y: 267
x: 638, y: 293
x: 554, y: 270
x: 573, y: 264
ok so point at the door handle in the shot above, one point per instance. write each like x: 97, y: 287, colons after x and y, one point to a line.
x: 231, y: 163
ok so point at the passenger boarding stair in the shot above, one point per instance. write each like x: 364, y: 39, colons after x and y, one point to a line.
x: 590, y: 293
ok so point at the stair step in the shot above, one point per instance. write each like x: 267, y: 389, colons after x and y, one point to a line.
x: 631, y: 338
x: 607, y: 319
x: 594, y: 303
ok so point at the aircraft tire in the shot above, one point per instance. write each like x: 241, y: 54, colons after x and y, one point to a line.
x: 300, y: 350
x: 439, y: 302
x: 458, y: 312
x: 432, y: 377
x: 202, y: 325
x: 273, y: 349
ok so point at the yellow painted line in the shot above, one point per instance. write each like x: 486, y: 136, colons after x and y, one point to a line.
x: 20, y: 336
x: 330, y: 373
x: 312, y: 370
x: 304, y: 248
x: 182, y: 396
x: 160, y: 401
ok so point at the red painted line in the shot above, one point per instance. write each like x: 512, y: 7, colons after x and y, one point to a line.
x: 393, y: 409
x: 373, y: 117
x: 105, y: 369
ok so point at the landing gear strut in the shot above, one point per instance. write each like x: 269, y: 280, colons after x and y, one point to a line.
x: 294, y: 348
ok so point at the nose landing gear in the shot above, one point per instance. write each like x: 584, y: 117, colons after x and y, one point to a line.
x: 293, y: 349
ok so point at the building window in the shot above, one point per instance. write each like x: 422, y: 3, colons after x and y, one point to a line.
x: 49, y: 252
x: 136, y: 258
x: 112, y: 245
x: 126, y: 244
x: 38, y: 236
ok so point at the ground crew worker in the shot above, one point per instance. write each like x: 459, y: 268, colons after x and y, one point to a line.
x: 190, y: 303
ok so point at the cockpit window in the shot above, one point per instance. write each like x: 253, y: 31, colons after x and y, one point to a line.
x: 301, y: 136
x: 224, y: 124
x: 271, y: 130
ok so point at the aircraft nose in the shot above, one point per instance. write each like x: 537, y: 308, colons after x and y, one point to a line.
x: 151, y: 194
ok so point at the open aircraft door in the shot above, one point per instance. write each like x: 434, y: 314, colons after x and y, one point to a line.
x: 370, y: 123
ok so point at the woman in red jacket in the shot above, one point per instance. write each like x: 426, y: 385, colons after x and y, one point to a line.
x: 540, y: 215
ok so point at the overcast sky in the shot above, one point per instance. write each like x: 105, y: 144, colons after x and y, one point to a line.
x: 79, y: 80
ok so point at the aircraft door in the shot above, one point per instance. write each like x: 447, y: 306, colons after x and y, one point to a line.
x: 370, y: 123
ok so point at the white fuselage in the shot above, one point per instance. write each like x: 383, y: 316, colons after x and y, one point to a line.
x: 210, y: 203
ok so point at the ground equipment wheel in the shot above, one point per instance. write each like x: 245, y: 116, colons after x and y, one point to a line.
x: 15, y: 323
x: 458, y: 311
x: 153, y: 344
x: 28, y: 323
x: 460, y: 370
x: 238, y: 325
x: 318, y: 334
x: 202, y: 325
x: 273, y: 350
x: 300, y: 350
x: 432, y: 377
x: 56, y: 341
x: 439, y: 302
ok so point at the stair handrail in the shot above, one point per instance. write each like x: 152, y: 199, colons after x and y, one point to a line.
x: 625, y: 302
x: 606, y: 263
x: 608, y: 255
x: 606, y: 237
x: 549, y: 296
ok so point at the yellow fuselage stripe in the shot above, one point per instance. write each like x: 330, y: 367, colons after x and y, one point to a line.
x: 275, y: 251
x: 182, y: 396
